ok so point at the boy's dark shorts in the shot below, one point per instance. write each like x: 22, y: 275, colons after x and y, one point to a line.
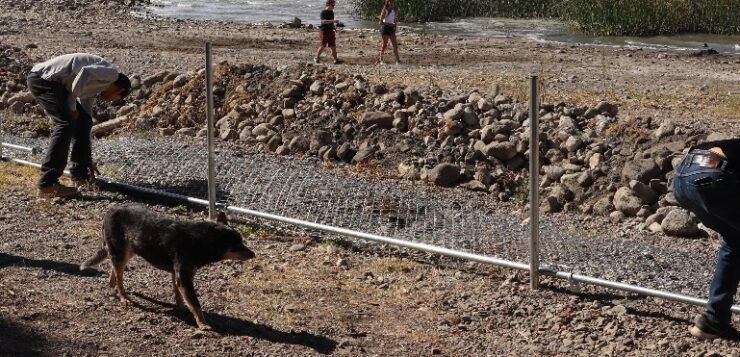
x: 328, y: 38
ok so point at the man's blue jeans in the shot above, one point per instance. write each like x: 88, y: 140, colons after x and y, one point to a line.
x: 713, y: 195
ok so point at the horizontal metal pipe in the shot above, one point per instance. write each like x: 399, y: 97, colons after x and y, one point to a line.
x: 33, y: 151
x: 412, y: 245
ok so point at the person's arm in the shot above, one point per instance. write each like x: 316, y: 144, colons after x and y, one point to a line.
x: 382, y: 15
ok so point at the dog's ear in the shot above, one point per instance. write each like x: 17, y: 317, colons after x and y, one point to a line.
x: 221, y: 218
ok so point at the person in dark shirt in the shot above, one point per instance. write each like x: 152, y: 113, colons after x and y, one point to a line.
x: 327, y: 33
x: 706, y: 183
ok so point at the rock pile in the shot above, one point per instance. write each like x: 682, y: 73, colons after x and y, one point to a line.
x: 592, y: 160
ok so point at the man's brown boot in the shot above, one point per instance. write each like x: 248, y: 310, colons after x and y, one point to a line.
x: 57, y: 190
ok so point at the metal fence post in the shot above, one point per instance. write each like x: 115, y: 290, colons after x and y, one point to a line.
x: 534, y: 186
x: 211, y: 133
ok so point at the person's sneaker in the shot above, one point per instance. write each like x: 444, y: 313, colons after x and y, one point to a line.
x: 316, y: 60
x: 381, y: 63
x: 705, y: 329
x: 57, y: 190
x: 338, y: 61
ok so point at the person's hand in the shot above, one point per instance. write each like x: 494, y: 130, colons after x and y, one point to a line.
x: 92, y: 171
x: 75, y: 114
x: 718, y: 150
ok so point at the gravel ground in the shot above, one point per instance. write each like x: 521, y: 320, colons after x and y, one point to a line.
x: 301, y: 296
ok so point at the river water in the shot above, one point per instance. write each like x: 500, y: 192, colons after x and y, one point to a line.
x: 277, y: 11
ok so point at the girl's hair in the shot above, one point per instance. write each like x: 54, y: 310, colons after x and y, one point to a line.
x: 388, y: 3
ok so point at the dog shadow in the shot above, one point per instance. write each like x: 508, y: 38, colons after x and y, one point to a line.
x: 9, y: 260
x: 232, y: 326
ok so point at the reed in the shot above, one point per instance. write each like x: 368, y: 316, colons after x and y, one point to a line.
x: 598, y: 17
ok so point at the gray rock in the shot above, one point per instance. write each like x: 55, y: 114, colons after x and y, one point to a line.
x: 643, y: 192
x: 180, y: 81
x: 381, y: 119
x: 400, y: 120
x: 550, y: 205
x: 299, y: 144
x: 454, y: 114
x: 190, y: 132
x: 155, y: 78
x: 288, y: 113
x: 642, y: 170
x: 626, y: 201
x: 667, y: 128
x: 364, y: 154
x: 317, y: 88
x: 274, y: 142
x: 445, y: 175
x: 293, y: 92
x: 228, y: 134
x: 345, y: 152
x: 17, y: 108
x: 319, y: 139
x: 656, y: 217
x: 553, y: 172
x: 607, y: 108
x: 679, y: 222
x: 408, y: 171
x: 573, y: 143
x: 654, y: 227
x: 484, y: 105
x: 22, y: 97
x: 475, y: 185
x: 616, y: 216
x: 501, y: 150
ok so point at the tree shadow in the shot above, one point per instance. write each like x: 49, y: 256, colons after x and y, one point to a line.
x: 9, y: 260
x: 17, y: 340
x: 232, y: 326
x: 192, y: 188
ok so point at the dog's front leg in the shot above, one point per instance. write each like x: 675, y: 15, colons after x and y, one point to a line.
x: 184, y: 281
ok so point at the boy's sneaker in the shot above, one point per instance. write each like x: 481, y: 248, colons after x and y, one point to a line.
x: 705, y: 329
x: 381, y: 63
x: 57, y: 190
x: 316, y: 60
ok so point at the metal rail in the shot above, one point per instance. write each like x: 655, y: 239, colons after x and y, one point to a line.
x: 661, y: 294
x: 211, y: 133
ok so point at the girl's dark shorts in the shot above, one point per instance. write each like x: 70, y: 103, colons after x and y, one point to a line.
x: 388, y: 30
x: 328, y: 38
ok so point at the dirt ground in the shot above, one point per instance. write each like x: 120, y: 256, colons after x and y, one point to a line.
x: 300, y: 296
x: 314, y: 295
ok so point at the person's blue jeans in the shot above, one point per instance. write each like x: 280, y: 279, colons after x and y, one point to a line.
x: 713, y: 195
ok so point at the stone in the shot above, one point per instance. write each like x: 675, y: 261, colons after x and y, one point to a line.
x: 626, y: 201
x: 288, y: 113
x: 190, y: 132
x: 22, y: 97
x: 616, y: 216
x: 550, y: 205
x: 607, y: 108
x: 180, y: 81
x: 166, y: 131
x: 454, y: 114
x: 345, y: 152
x: 642, y: 170
x: 400, y: 120
x: 501, y: 150
x: 317, y: 88
x: 573, y: 143
x: 484, y: 105
x: 667, y: 128
x: 381, y: 119
x: 553, y: 172
x: 408, y: 171
x: 643, y: 192
x: 228, y: 134
x: 475, y: 185
x: 17, y: 108
x: 679, y: 222
x: 293, y: 92
x: 126, y: 110
x: 364, y: 154
x: 445, y: 175
x: 274, y: 142
x: 299, y: 144
x: 654, y: 227
x: 595, y: 161
x: 319, y: 139
x: 603, y: 206
x: 656, y: 217
x: 155, y: 78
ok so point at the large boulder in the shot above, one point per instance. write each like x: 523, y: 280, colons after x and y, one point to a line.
x: 445, y: 175
x: 501, y: 150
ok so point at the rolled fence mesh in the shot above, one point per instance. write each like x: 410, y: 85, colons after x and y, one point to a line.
x: 302, y: 188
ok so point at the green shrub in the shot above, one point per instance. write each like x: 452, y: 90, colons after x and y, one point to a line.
x: 598, y: 17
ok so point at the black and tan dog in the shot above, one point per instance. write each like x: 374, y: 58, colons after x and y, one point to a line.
x: 175, y: 246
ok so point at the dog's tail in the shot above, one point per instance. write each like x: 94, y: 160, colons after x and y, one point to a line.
x: 95, y: 260
x: 98, y: 257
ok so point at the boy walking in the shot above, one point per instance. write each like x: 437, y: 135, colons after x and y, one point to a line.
x: 327, y: 33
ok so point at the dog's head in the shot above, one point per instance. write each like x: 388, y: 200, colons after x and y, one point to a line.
x: 232, y: 241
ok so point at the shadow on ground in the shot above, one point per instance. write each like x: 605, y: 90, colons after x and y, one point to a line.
x: 232, y: 326
x: 9, y: 260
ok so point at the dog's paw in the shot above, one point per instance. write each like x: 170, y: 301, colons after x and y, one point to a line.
x: 204, y: 326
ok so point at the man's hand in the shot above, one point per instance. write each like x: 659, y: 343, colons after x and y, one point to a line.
x: 718, y: 150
